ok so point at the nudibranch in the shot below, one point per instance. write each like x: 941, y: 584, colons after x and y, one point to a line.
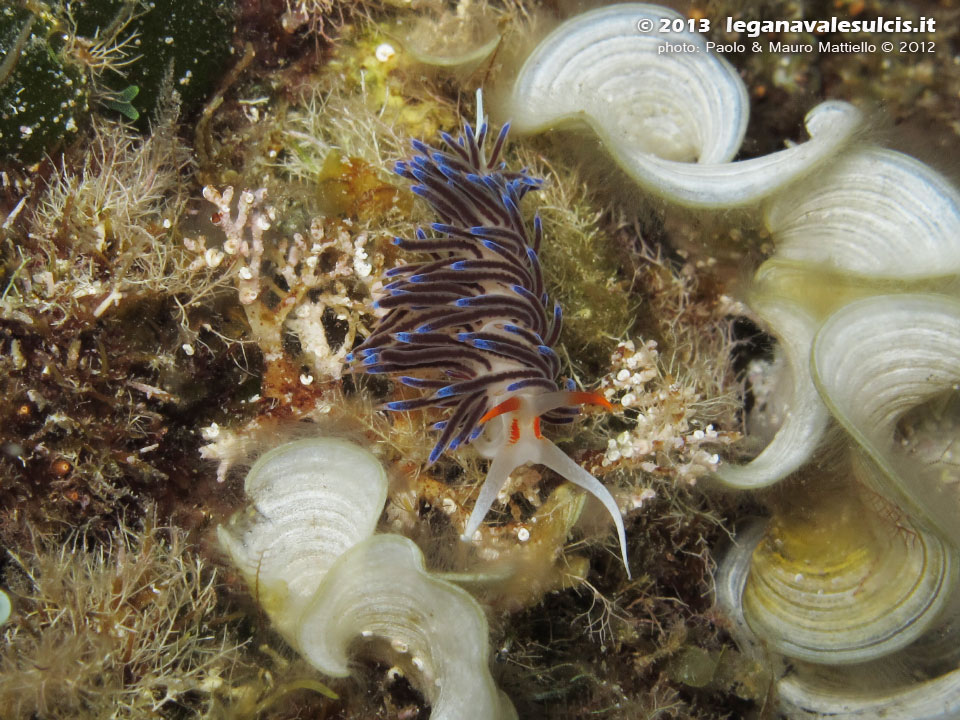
x: 471, y: 324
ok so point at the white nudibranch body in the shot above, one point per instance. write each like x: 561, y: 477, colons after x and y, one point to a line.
x: 307, y: 548
x: 513, y: 438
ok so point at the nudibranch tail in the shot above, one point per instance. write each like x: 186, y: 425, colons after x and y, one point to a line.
x: 471, y: 324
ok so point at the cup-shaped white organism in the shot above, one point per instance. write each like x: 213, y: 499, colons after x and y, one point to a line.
x: 874, y: 361
x: 670, y: 113
x: 307, y: 548
x: 875, y: 213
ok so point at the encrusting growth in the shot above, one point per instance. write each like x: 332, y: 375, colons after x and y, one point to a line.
x: 472, y: 324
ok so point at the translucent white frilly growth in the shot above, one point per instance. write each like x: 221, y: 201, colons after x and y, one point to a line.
x: 672, y: 120
x: 380, y: 588
x: 457, y: 41
x: 875, y: 221
x: 805, y: 417
x: 598, y: 66
x: 874, y: 690
x: 308, y: 551
x: 874, y: 212
x: 302, y: 518
x: 861, y: 295
x: 886, y: 687
x: 880, y: 222
x: 852, y: 600
x: 874, y: 360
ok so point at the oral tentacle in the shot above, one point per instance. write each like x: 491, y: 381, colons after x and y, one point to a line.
x: 546, y: 402
x: 509, y: 458
x: 558, y: 461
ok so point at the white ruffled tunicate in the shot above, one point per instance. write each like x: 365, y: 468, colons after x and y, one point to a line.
x: 731, y: 577
x: 598, y: 66
x: 380, y: 588
x: 874, y: 360
x: 303, y: 516
x: 805, y: 417
x: 673, y: 120
x: 831, y: 584
x: 850, y: 242
x: 887, y: 687
x: 455, y: 41
x: 877, y: 222
x: 867, y: 692
x: 722, y: 185
x: 307, y: 549
x: 891, y: 687
x: 875, y: 212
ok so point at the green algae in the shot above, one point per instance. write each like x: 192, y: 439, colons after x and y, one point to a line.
x: 43, y: 100
x: 114, y: 57
x: 181, y: 46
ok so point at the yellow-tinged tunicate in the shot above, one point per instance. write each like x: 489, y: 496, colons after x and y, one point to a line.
x: 912, y: 684
x: 833, y: 582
